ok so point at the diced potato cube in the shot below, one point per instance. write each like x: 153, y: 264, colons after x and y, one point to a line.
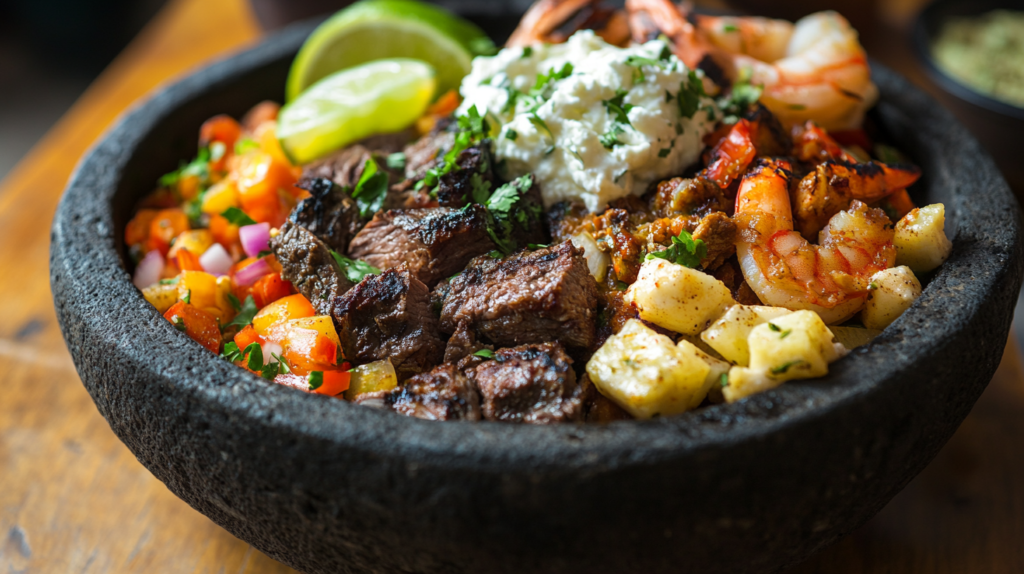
x: 920, y: 240
x: 890, y: 293
x: 161, y: 296
x: 678, y: 298
x: 717, y: 368
x: 597, y: 260
x: 853, y: 337
x: 646, y: 374
x: 794, y: 346
x: 197, y: 241
x: 728, y: 335
x: 370, y: 378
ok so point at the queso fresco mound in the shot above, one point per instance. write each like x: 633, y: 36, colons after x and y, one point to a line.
x: 629, y: 221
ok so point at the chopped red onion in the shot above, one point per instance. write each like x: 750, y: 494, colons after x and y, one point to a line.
x: 216, y: 260
x: 269, y: 350
x: 255, y: 238
x: 250, y: 273
x: 148, y: 271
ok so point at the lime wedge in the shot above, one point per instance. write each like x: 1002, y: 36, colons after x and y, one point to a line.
x: 378, y: 97
x: 378, y: 29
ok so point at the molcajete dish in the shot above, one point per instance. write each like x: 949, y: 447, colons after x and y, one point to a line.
x: 329, y: 486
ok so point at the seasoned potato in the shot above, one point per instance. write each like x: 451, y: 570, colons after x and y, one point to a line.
x: 161, y: 296
x: 920, y: 240
x: 678, y: 298
x: 597, y: 260
x: 892, y: 291
x: 794, y: 346
x: 646, y: 374
x: 717, y: 368
x: 728, y: 335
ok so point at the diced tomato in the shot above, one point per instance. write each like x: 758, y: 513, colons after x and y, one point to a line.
x: 260, y: 177
x: 137, y: 230
x: 246, y: 337
x: 197, y: 324
x: 270, y: 288
x: 732, y: 155
x: 290, y: 307
x: 262, y: 112
x: 324, y: 351
x: 224, y: 232
x: 166, y: 225
x: 221, y: 128
x: 335, y: 383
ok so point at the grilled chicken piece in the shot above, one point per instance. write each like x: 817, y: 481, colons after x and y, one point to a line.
x: 441, y: 394
x: 307, y: 262
x: 389, y: 316
x: 434, y: 242
x: 530, y: 384
x: 528, y: 297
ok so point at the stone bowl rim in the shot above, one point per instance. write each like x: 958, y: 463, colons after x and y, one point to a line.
x: 479, y: 445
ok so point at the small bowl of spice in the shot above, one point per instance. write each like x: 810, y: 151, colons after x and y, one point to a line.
x: 973, y: 50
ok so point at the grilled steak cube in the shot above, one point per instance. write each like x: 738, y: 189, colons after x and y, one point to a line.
x: 330, y: 213
x: 389, y: 316
x: 434, y: 242
x: 345, y: 166
x: 529, y: 384
x: 529, y: 297
x: 424, y: 153
x: 474, y: 173
x: 307, y: 262
x: 442, y: 394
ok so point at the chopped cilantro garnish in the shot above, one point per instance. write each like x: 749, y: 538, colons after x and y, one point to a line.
x: 315, y: 380
x: 237, y: 217
x: 171, y: 281
x: 740, y: 98
x: 396, y: 161
x: 873, y: 285
x: 542, y: 125
x: 179, y: 324
x: 472, y: 128
x: 533, y: 246
x: 354, y: 270
x: 690, y: 93
x: 232, y: 352
x: 774, y: 327
x: 506, y: 207
x: 723, y: 380
x: 188, y: 297
x: 245, y: 313
x: 485, y: 353
x: 617, y: 108
x: 274, y: 368
x: 371, y: 190
x: 785, y: 333
x: 494, y: 254
x: 685, y: 251
x: 235, y: 303
x: 511, y: 135
x: 621, y: 285
x: 610, y: 138
x: 245, y: 145
x: 255, y: 354
x: 198, y: 167
x: 784, y: 367
x: 527, y: 51
x: 729, y: 28
x: 639, y: 61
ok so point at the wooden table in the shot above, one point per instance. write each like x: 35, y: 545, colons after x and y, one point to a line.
x: 74, y: 499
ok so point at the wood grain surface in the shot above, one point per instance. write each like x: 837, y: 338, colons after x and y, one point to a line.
x: 74, y: 499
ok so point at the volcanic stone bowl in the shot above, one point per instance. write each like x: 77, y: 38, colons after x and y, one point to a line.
x: 327, y: 486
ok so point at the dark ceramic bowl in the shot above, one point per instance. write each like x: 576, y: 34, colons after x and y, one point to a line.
x: 998, y: 125
x: 327, y: 486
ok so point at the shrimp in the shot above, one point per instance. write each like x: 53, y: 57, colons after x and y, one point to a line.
x: 785, y: 270
x: 815, y: 68
x: 553, y: 21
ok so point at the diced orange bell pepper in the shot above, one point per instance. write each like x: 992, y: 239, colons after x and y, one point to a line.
x: 246, y: 337
x: 196, y: 323
x: 260, y: 177
x: 168, y: 224
x: 732, y: 155
x: 222, y: 128
x: 265, y: 111
x: 137, y: 230
x: 290, y: 307
x: 270, y: 288
x: 335, y: 383
x: 224, y: 232
x: 324, y: 351
x: 187, y: 261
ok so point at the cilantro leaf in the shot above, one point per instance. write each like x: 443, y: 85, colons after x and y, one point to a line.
x: 245, y: 145
x: 199, y: 167
x: 506, y: 207
x: 685, y: 251
x: 235, y: 303
x: 179, y: 324
x: 690, y: 93
x: 315, y: 380
x: 663, y: 61
x: 237, y: 217
x: 480, y: 190
x: 473, y: 128
x: 354, y: 270
x: 232, y: 352
x: 274, y: 368
x: 527, y: 51
x: 485, y: 353
x: 511, y: 135
x: 188, y: 297
x: 723, y: 380
x: 784, y: 367
x: 617, y: 107
x: 245, y: 314
x: 371, y: 190
x: 610, y: 138
x: 396, y: 161
x: 255, y: 360
x: 740, y: 98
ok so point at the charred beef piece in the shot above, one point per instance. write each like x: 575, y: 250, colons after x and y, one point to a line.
x: 389, y: 316
x: 307, y: 262
x: 529, y: 384
x: 343, y: 167
x: 528, y: 216
x: 474, y: 172
x: 434, y: 242
x: 330, y: 213
x: 423, y: 154
x: 442, y: 394
x: 565, y: 219
x: 529, y: 297
x: 718, y: 232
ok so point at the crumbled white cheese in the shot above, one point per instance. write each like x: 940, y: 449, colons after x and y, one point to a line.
x: 561, y: 135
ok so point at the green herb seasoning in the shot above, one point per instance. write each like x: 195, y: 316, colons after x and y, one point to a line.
x: 986, y: 53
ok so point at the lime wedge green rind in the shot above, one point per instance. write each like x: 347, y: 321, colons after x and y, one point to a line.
x: 383, y: 96
x: 378, y: 29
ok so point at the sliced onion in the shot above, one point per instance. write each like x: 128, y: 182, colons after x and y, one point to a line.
x: 148, y: 271
x: 269, y: 350
x: 255, y: 238
x: 597, y: 260
x: 250, y: 273
x: 216, y: 260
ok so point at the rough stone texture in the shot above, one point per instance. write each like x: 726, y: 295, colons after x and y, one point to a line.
x: 328, y: 486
